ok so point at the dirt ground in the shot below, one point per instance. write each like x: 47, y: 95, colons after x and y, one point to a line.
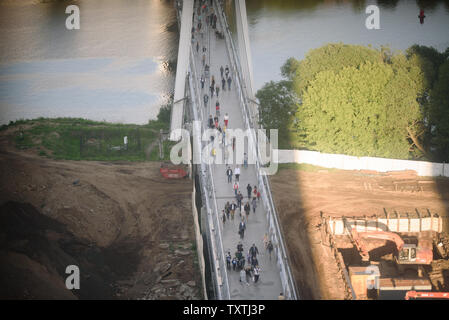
x: 129, y: 230
x: 300, y: 196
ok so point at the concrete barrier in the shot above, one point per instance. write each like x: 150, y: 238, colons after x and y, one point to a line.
x: 344, y: 162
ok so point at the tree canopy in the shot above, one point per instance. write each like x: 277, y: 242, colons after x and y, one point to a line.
x: 439, y: 113
x: 278, y: 104
x: 362, y: 101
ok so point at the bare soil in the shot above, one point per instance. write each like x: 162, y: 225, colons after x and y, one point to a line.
x: 128, y: 229
x: 300, y: 196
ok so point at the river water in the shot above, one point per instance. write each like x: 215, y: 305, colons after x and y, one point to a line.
x: 116, y: 67
x: 288, y: 28
x: 119, y: 66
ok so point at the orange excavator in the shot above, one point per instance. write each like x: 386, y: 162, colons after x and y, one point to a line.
x: 426, y: 295
x: 408, y: 253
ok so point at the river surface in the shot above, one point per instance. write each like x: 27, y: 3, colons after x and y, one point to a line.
x: 279, y: 29
x: 116, y: 67
x: 119, y: 66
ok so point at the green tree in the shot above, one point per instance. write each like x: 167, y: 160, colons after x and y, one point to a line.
x: 278, y: 104
x: 430, y: 60
x: 331, y: 57
x: 363, y: 111
x: 164, y: 114
x: 439, y: 113
x: 361, y: 101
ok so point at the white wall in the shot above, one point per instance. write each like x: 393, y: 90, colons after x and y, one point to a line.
x: 340, y: 161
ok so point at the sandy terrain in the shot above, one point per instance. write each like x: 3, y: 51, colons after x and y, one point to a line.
x: 301, y: 195
x: 128, y: 227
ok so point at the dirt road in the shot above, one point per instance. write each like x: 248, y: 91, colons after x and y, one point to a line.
x: 301, y: 195
x: 128, y: 227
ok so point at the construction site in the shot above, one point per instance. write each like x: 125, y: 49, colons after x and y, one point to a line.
x: 365, y: 235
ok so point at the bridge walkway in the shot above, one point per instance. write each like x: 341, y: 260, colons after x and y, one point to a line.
x: 269, y: 285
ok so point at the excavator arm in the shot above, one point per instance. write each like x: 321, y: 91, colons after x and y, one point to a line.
x: 357, y: 239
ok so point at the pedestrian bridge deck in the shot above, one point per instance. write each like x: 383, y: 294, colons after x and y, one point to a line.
x: 269, y: 285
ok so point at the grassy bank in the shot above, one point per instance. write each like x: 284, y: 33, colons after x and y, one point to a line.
x: 81, y: 139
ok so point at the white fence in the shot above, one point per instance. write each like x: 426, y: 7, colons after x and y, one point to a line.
x: 431, y: 222
x: 344, y: 162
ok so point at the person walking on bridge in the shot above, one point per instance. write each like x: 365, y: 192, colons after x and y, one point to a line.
x: 221, y: 71
x: 256, y: 274
x: 233, y: 207
x: 227, y: 71
x: 240, y: 247
x: 239, y: 199
x: 217, y: 107
x: 223, y: 84
x: 229, y: 174
x: 242, y: 227
x: 203, y: 59
x: 226, y: 119
x: 227, y: 209
x: 217, y: 89
x: 247, y: 209
x: 237, y: 173
x: 223, y: 216
x: 211, y: 121
x: 229, y: 83
x: 216, y: 122
x: 255, y: 191
x: 249, y: 189
x: 202, y: 81
x: 211, y: 91
x: 236, y: 187
x: 206, y: 100
x: 254, y: 262
x: 211, y: 19
x: 243, y: 277
x: 270, y: 248
x: 253, y: 251
x: 254, y: 204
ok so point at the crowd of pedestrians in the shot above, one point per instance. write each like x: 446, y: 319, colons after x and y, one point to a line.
x: 247, y: 265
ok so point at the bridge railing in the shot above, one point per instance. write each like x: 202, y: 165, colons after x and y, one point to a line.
x: 275, y: 231
x: 208, y: 190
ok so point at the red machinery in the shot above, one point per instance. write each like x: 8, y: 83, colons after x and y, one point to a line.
x: 170, y: 171
x: 426, y: 295
x: 357, y: 239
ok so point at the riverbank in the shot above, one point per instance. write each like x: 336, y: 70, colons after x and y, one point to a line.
x: 128, y: 229
x: 81, y: 139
